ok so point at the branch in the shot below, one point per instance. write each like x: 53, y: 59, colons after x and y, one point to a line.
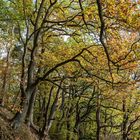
x: 73, y: 59
x: 100, y: 12
x: 82, y: 11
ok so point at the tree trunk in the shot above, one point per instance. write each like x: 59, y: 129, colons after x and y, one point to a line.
x: 68, y: 129
x: 29, y: 116
x: 98, y: 125
x: 20, y: 116
x: 46, y: 114
x: 98, y: 118
x: 4, y: 88
x: 105, y: 121
x: 125, y: 120
x: 49, y: 118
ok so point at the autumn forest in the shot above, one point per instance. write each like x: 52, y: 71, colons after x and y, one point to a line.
x: 69, y: 69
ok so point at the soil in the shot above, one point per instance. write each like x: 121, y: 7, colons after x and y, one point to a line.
x: 8, y: 133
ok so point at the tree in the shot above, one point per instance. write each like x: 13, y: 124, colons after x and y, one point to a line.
x: 73, y: 58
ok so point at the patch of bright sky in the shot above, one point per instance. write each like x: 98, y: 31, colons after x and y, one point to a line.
x: 3, y: 53
x: 65, y: 37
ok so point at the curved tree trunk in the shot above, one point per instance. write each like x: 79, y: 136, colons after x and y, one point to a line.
x: 20, y: 116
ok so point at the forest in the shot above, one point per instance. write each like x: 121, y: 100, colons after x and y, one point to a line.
x: 69, y: 69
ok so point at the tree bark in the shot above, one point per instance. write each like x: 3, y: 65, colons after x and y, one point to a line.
x: 125, y: 120
x: 20, y: 116
x: 50, y: 115
x: 98, y: 118
x: 29, y: 116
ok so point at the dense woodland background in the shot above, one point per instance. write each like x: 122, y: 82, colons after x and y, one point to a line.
x: 70, y: 69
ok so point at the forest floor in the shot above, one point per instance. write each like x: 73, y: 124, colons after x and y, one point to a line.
x: 6, y: 131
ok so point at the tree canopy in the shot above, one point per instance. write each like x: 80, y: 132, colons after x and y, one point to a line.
x: 70, y: 68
